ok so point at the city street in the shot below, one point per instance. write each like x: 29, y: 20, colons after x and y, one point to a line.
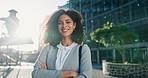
x: 24, y: 71
x: 114, y: 32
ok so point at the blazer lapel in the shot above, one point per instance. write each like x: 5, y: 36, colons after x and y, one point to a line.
x: 52, y: 58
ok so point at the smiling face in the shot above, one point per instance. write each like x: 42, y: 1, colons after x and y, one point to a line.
x: 66, y: 25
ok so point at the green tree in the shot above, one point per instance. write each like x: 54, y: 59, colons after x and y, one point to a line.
x: 115, y: 36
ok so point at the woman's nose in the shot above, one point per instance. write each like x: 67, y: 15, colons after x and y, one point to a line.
x: 64, y: 25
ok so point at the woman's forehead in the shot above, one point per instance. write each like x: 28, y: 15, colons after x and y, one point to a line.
x: 65, y: 17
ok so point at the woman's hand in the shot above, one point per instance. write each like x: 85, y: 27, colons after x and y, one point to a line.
x: 66, y: 74
x: 43, y: 65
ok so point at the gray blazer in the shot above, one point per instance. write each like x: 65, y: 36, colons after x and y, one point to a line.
x: 48, y: 54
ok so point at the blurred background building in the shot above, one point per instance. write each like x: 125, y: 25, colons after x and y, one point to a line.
x: 11, y: 22
x: 10, y: 51
x: 132, y: 13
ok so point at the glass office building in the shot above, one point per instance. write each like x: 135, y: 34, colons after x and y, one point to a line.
x: 132, y: 13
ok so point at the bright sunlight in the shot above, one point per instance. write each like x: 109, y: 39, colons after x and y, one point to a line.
x: 31, y: 14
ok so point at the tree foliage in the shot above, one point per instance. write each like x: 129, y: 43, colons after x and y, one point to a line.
x: 115, y: 36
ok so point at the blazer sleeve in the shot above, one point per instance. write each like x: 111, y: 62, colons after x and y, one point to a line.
x: 86, y: 65
x: 42, y: 73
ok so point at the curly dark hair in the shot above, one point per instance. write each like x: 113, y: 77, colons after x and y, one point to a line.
x: 51, y: 34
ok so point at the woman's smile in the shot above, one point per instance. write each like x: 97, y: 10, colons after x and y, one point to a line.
x: 65, y: 30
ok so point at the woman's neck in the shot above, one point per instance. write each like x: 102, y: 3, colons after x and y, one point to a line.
x: 66, y: 41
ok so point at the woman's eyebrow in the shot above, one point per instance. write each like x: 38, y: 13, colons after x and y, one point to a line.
x: 68, y: 20
x: 65, y: 20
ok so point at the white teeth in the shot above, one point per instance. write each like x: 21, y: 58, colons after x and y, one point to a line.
x: 65, y: 30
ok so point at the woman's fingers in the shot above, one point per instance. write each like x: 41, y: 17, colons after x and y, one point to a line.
x: 66, y: 74
x: 43, y: 65
x: 74, y: 74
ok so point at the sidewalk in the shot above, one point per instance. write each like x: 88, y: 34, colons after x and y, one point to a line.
x: 24, y: 71
x: 20, y: 71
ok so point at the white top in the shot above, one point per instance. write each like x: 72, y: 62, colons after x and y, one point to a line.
x: 63, y: 52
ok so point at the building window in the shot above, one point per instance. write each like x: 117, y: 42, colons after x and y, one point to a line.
x: 125, y: 14
x: 137, y: 10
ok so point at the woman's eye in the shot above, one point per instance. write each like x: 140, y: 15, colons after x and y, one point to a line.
x: 59, y: 23
x: 68, y: 22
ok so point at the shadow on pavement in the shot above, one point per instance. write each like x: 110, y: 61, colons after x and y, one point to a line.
x: 5, y: 72
x: 17, y: 76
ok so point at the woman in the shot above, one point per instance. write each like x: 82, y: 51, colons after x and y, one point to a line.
x: 59, y: 58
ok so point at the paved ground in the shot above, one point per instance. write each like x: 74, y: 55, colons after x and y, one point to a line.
x: 98, y: 74
x: 24, y: 71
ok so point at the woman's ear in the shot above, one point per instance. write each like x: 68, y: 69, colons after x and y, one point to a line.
x: 74, y: 25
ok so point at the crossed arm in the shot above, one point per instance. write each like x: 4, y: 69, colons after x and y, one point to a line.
x: 65, y: 74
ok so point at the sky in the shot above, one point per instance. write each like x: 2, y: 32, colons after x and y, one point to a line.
x: 31, y: 14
